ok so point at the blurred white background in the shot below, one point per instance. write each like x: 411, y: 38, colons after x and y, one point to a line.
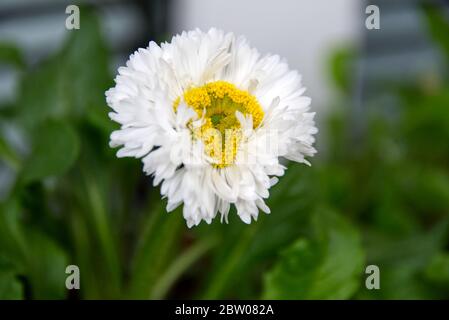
x: 302, y: 31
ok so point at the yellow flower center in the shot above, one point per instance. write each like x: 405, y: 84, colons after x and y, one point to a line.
x: 221, y: 131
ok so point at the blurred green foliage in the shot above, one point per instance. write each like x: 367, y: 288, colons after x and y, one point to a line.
x: 325, y: 267
x: 383, y: 200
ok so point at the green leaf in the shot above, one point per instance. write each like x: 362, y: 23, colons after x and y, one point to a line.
x: 86, y: 68
x: 8, y: 154
x: 231, y: 269
x: 46, y: 266
x: 438, y: 26
x: 438, y: 269
x: 12, y: 236
x: 340, y: 68
x: 70, y: 83
x: 179, y: 266
x: 101, y: 225
x: 55, y: 150
x: 31, y: 254
x: 327, y: 266
x: 245, y: 247
x: 9, y: 54
x: 154, y: 251
x: 10, y: 286
x: 37, y: 103
x: 404, y: 261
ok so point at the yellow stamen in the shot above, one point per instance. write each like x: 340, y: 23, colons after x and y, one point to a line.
x: 221, y: 131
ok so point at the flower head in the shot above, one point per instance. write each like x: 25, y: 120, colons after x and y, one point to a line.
x: 211, y: 118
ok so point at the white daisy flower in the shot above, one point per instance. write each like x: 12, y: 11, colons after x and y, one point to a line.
x: 211, y: 119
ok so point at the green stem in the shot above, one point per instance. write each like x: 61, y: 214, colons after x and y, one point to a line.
x: 178, y: 267
x: 154, y: 252
x: 102, y: 229
x: 221, y: 277
x: 218, y: 283
x: 9, y: 155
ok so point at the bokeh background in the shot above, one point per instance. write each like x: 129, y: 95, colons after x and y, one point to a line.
x: 376, y: 194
